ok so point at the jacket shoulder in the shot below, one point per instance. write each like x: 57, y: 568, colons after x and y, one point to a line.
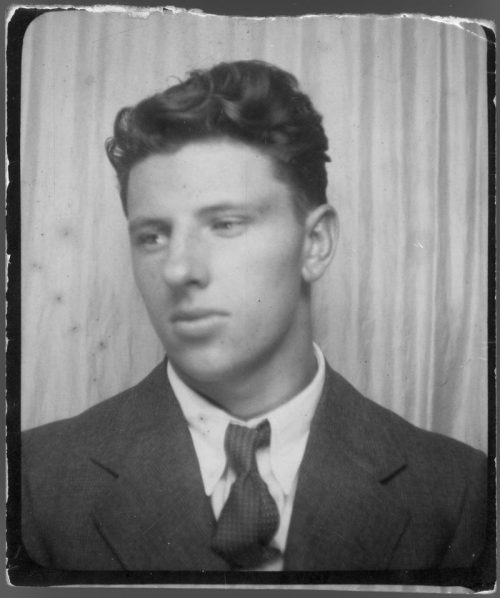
x: 372, y: 422
x: 114, y: 417
x: 425, y: 467
x: 439, y: 481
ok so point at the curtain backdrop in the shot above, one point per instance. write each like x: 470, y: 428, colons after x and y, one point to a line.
x: 401, y: 312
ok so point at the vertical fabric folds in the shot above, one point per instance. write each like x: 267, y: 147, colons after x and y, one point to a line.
x: 401, y: 312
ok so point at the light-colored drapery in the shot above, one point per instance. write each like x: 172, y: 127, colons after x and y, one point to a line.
x: 401, y: 312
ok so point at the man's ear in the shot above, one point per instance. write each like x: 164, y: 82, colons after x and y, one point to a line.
x: 320, y: 242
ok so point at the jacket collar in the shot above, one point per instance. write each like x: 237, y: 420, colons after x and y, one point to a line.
x: 155, y: 515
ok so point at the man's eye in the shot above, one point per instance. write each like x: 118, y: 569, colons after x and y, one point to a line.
x: 150, y: 240
x: 228, y: 227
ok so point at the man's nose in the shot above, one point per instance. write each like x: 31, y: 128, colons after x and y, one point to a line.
x: 186, y: 262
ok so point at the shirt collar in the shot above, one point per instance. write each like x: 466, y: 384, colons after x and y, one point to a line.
x: 289, y: 422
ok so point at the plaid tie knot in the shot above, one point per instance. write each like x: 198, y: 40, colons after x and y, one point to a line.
x: 241, y: 444
x: 250, y: 517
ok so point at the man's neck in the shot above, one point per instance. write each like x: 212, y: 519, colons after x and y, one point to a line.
x: 257, y: 392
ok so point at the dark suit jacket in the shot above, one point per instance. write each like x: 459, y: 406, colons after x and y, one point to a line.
x: 119, y: 487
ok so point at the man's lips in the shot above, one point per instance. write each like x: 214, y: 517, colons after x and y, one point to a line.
x: 196, y: 324
x: 192, y: 315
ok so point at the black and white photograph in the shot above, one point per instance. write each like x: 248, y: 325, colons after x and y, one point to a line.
x: 254, y: 267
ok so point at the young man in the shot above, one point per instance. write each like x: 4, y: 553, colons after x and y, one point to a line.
x: 244, y: 449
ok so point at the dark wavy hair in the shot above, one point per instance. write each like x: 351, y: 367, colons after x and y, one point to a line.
x: 253, y: 102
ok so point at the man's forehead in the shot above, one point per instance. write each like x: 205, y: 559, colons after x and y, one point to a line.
x: 206, y: 175
x: 229, y: 154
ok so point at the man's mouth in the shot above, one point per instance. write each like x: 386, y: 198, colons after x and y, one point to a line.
x: 197, y: 323
x: 192, y: 315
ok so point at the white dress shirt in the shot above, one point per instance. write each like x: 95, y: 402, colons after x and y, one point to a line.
x: 278, y: 464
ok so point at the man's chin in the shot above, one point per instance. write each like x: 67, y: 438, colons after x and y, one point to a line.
x: 200, y: 370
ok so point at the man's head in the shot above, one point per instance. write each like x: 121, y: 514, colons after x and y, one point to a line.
x: 249, y: 101
x: 223, y: 256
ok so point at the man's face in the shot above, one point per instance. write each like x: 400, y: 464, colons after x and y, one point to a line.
x: 217, y: 252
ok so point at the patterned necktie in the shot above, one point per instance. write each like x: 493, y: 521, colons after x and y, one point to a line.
x: 250, y: 517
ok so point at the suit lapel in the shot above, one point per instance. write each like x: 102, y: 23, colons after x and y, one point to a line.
x: 154, y: 513
x: 344, y: 517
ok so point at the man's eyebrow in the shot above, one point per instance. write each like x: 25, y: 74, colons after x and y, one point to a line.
x: 227, y: 206
x: 137, y: 223
x: 211, y: 210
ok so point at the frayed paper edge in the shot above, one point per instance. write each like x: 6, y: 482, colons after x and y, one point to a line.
x: 145, y: 12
